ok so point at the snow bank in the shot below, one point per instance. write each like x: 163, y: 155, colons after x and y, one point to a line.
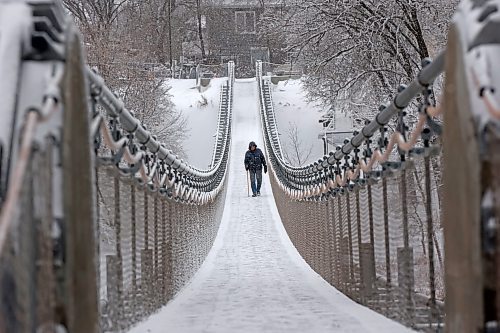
x: 201, y: 110
x: 291, y: 106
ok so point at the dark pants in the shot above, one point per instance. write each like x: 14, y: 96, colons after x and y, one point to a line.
x: 255, y: 180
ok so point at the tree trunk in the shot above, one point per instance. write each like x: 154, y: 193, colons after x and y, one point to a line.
x: 424, y: 52
x: 170, y: 58
x: 200, y: 32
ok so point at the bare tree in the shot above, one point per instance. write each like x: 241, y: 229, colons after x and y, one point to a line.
x: 96, y: 18
x: 295, y: 153
x: 122, y: 38
x: 95, y: 14
x: 194, y: 12
x: 200, y: 27
x: 361, y: 50
x: 148, y: 97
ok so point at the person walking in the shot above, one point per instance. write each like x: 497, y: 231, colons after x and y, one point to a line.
x: 254, y: 163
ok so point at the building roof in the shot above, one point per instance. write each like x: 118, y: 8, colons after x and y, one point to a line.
x: 247, y: 3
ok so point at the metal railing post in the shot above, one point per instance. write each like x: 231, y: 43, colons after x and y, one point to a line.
x: 430, y: 243
x: 336, y: 265
x: 388, y: 284
x: 386, y: 233
x: 156, y: 252
x: 342, y: 251
x: 358, y: 228
x: 351, y: 256
x: 133, y: 226
x: 146, y: 262
x: 405, y: 256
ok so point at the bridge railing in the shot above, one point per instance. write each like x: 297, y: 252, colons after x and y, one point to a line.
x: 372, y: 217
x: 225, y: 105
x: 157, y: 217
x: 100, y: 223
x: 371, y: 230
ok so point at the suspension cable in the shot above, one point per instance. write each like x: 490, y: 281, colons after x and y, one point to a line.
x: 318, y: 178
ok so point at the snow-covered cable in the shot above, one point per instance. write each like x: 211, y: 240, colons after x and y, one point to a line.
x: 316, y: 173
x: 207, y: 179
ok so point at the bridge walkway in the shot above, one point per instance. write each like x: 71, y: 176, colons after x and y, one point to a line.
x: 254, y: 280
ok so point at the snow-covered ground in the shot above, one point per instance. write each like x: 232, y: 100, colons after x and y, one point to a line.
x: 201, y: 117
x: 291, y: 107
x: 254, y: 280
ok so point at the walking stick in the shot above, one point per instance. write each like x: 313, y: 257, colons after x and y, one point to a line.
x: 248, y: 182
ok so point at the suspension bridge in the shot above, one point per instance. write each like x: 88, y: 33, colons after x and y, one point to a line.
x: 104, y: 229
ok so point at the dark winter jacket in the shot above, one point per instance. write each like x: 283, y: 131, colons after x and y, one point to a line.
x: 254, y: 160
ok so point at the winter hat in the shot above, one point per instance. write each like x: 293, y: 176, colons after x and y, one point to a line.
x: 251, y: 144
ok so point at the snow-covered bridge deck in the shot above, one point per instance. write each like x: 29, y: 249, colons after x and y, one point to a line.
x: 254, y: 280
x: 83, y: 180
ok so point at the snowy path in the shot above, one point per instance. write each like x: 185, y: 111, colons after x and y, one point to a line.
x: 253, y: 279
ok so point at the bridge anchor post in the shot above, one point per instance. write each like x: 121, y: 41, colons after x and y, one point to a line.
x: 406, y: 281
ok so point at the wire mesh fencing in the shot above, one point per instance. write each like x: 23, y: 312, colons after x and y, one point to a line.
x: 283, y: 71
x: 380, y: 242
x: 366, y: 217
x: 150, y: 245
x: 157, y: 215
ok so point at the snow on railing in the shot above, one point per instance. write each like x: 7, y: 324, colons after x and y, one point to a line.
x: 172, y: 210
x: 351, y: 220
x: 373, y: 227
x: 224, y: 115
x: 307, y: 176
x: 349, y: 213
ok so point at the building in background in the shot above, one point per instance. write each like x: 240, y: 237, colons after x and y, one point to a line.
x: 233, y: 33
x: 337, y: 127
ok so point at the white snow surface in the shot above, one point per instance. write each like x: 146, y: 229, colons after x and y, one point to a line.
x: 291, y: 106
x: 201, y: 119
x: 253, y: 279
